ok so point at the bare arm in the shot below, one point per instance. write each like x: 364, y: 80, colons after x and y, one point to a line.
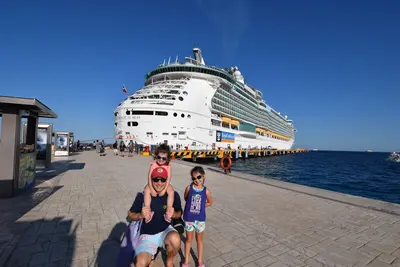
x: 185, y: 195
x: 135, y: 216
x: 177, y: 215
x: 209, y: 201
x: 150, y: 184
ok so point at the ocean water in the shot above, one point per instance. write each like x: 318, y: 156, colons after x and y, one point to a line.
x: 357, y: 173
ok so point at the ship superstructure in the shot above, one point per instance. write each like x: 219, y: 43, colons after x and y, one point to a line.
x: 197, y: 106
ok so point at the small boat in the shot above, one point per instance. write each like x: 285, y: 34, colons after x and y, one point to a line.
x: 395, y: 156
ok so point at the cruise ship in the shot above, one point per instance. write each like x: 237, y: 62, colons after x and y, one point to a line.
x: 196, y: 106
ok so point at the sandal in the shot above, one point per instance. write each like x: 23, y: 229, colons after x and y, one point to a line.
x: 168, y: 216
x: 185, y: 265
x: 149, y: 217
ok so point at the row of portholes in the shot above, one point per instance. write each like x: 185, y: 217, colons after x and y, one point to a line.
x: 182, y: 115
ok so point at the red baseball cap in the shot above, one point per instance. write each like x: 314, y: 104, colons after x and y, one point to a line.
x: 159, y: 172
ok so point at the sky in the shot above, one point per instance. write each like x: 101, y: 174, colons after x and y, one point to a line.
x: 332, y: 66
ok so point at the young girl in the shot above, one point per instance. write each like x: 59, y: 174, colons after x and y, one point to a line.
x: 197, y: 198
x: 162, y: 159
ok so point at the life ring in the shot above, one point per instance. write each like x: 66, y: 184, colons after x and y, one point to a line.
x: 226, y: 163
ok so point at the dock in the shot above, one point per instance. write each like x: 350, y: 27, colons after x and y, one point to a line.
x: 75, y: 216
x: 234, y: 154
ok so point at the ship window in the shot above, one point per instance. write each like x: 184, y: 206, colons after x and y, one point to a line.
x: 134, y: 123
x: 215, y: 122
x: 165, y: 133
x: 161, y: 113
x: 189, y: 116
x: 142, y: 112
x: 185, y: 93
x: 128, y: 112
x: 115, y: 114
x: 129, y: 123
x: 183, y: 115
x: 116, y: 124
x: 180, y: 98
x: 149, y: 133
x: 175, y: 114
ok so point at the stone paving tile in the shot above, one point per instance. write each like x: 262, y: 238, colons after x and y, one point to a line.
x: 78, y: 218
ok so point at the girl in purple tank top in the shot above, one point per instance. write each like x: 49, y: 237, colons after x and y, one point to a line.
x: 197, y: 198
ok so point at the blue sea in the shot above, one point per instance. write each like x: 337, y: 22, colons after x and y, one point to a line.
x: 357, y: 173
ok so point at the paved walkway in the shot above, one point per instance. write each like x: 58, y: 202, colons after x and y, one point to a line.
x: 76, y: 215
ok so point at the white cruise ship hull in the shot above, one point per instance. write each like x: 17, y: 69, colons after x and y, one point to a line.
x: 183, y: 120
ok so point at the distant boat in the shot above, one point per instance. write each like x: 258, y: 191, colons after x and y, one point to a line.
x: 369, y: 150
x: 395, y: 156
x: 314, y: 149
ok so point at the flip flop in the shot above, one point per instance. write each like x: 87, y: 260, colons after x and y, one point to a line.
x: 149, y: 217
x: 168, y: 217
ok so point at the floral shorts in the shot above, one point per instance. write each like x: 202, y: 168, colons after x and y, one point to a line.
x: 150, y: 243
x: 196, y: 225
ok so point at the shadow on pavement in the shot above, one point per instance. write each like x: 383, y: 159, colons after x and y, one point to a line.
x: 41, y: 243
x: 108, y: 252
x: 57, y: 167
x: 27, y: 237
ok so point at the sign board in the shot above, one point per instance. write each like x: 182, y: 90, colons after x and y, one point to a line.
x: 61, y: 144
x: 43, y: 144
x: 225, y: 137
x: 27, y: 163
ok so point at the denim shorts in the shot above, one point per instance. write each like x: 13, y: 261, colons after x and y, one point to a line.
x: 150, y: 243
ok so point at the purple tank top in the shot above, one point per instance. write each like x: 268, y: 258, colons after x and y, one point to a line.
x: 195, y: 207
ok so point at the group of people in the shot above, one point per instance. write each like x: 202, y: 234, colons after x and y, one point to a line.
x: 160, y: 204
x: 100, y: 147
x: 122, y: 148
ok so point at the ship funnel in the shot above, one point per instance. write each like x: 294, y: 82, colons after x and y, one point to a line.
x: 197, y: 55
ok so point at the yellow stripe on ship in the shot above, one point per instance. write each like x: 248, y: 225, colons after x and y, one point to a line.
x: 235, y: 122
x: 281, y: 136
x: 226, y: 119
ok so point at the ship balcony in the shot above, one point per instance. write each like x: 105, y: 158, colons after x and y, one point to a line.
x: 247, y: 134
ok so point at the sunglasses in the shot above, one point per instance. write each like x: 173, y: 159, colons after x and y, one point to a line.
x: 163, y: 158
x: 198, y: 177
x: 156, y: 180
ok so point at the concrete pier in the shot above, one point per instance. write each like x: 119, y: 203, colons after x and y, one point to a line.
x: 75, y: 216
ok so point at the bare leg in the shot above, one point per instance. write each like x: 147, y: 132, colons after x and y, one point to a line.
x: 147, y: 197
x: 188, y: 245
x: 170, y: 201
x: 199, y: 239
x: 143, y: 259
x: 172, y: 243
x: 146, y: 210
x: 171, y: 194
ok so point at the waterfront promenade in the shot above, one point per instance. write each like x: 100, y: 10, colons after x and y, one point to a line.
x: 76, y: 215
